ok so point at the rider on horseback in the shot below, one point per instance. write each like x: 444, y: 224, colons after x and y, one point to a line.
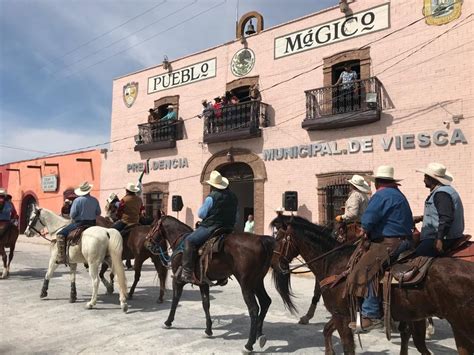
x: 387, y: 224
x: 84, y: 211
x: 8, y: 214
x: 356, y: 202
x: 443, y: 220
x: 129, y: 209
x: 111, y: 207
x: 219, y: 210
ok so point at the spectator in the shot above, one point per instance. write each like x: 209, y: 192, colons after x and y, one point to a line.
x: 348, y: 88
x: 217, y: 107
x: 171, y: 115
x: 255, y: 93
x: 234, y: 100
x: 152, y: 116
x: 250, y: 224
x: 66, y: 209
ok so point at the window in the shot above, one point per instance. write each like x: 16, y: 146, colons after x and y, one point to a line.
x: 153, y: 202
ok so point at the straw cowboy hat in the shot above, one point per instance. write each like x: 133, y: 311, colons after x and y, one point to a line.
x: 217, y: 180
x: 385, y: 172
x: 359, y: 183
x: 280, y: 209
x: 132, y: 187
x: 3, y: 191
x: 83, y: 189
x: 438, y: 172
x: 170, y: 107
x: 111, y: 197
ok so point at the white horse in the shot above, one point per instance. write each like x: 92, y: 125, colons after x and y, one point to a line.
x: 97, y: 245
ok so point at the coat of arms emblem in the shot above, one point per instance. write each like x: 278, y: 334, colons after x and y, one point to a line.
x: 242, y: 62
x: 440, y: 12
x: 130, y: 93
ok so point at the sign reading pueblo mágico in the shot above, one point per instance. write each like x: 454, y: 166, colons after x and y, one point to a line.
x: 187, y: 75
x: 355, y: 25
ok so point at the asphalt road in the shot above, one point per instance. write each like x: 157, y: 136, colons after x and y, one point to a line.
x: 55, y: 326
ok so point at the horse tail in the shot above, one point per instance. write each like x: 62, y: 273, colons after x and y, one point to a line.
x: 282, y: 283
x: 115, y: 251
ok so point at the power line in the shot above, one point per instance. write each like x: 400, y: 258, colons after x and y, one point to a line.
x: 24, y: 149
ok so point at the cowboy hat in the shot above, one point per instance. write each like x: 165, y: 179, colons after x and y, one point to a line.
x: 170, y: 107
x: 280, y: 209
x: 204, y: 101
x: 385, y: 172
x: 3, y: 191
x: 438, y: 172
x: 217, y: 180
x: 83, y: 189
x: 359, y: 183
x: 111, y: 197
x: 132, y: 187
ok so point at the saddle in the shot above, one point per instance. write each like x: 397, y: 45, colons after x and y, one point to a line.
x: 74, y: 236
x: 463, y: 250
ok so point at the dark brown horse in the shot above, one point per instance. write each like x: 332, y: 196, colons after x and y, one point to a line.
x: 243, y: 255
x: 446, y: 292
x: 8, y: 240
x: 134, y: 249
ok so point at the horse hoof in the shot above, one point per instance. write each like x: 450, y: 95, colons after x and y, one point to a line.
x: 262, y: 340
x: 159, y: 300
x: 304, y: 320
x: 129, y: 296
x: 89, y: 305
x: 110, y: 290
x: 124, y: 307
x: 44, y: 294
x: 72, y: 300
x: 208, y: 333
x: 247, y: 351
x: 167, y: 325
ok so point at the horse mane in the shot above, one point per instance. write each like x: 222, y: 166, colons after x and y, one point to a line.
x: 177, y: 221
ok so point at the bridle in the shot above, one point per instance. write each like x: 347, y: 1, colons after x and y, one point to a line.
x: 164, y: 259
x: 35, y: 220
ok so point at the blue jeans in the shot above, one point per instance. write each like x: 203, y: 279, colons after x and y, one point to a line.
x: 66, y: 230
x: 199, y: 236
x: 371, y: 303
x: 119, y: 225
x: 427, y: 247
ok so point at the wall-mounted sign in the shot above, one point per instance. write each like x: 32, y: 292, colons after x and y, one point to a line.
x: 130, y: 93
x: 242, y: 62
x: 49, y: 183
x: 166, y: 164
x: 183, y: 76
x: 366, y: 145
x: 355, y: 25
x: 440, y: 12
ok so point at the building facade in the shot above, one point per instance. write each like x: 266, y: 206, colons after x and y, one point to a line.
x: 48, y: 181
x: 296, y: 128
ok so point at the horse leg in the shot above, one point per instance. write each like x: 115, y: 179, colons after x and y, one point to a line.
x: 264, y: 301
x: 314, y: 302
x: 73, y: 295
x: 418, y: 329
x: 463, y: 344
x: 138, y: 271
x: 10, y: 257
x: 162, y: 273
x: 94, y: 274
x: 177, y: 292
x: 206, y: 305
x: 108, y: 285
x: 345, y: 333
x: 405, y: 334
x: 251, y: 302
x: 52, y: 266
x: 4, y: 258
x: 430, y: 329
x: 329, y: 328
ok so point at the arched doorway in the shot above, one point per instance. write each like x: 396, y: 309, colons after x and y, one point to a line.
x: 247, y: 170
x: 240, y: 176
x: 27, y: 205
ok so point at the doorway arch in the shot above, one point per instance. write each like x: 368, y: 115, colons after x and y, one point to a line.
x: 228, y: 160
x: 27, y: 204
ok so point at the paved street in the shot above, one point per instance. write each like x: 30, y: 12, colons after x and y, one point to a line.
x: 54, y: 326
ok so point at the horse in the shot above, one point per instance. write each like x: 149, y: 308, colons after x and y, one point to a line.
x: 96, y: 245
x: 244, y: 255
x: 446, y: 291
x: 8, y: 240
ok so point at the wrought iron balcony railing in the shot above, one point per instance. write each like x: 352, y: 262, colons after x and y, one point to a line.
x: 235, y: 122
x: 344, y: 105
x: 158, y: 135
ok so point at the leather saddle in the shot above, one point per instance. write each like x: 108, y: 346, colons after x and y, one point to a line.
x: 74, y: 236
x: 463, y: 250
x: 412, y: 271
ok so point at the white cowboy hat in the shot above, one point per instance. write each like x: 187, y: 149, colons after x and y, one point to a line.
x: 170, y: 107
x: 217, y: 180
x: 359, y: 183
x: 132, y: 187
x: 3, y: 191
x: 83, y: 189
x: 385, y: 172
x: 111, y: 197
x: 438, y: 172
x: 280, y: 209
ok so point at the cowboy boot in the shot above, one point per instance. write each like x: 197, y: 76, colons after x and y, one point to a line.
x: 61, y: 244
x: 187, y: 263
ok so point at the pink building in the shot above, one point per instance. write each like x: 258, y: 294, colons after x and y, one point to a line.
x: 411, y: 105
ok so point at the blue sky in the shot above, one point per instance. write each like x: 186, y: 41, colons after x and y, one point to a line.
x: 58, y: 59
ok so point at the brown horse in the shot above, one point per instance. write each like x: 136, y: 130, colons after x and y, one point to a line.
x: 446, y: 292
x: 243, y: 255
x: 134, y: 249
x: 8, y: 240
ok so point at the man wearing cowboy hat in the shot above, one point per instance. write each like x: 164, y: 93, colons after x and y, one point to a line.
x: 111, y: 207
x: 386, y: 227
x: 219, y: 210
x: 8, y: 214
x: 129, y: 208
x: 443, y: 218
x: 171, y: 115
x: 84, y: 211
x: 356, y: 202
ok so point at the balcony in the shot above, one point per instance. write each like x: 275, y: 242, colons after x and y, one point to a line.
x: 158, y: 135
x: 234, y: 122
x: 344, y: 105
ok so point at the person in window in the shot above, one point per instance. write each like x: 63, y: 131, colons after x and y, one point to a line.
x: 152, y: 116
x: 249, y: 224
x: 171, y: 115
x: 346, y: 94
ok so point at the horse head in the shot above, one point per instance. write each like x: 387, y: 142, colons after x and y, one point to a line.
x: 34, y: 223
x: 167, y: 228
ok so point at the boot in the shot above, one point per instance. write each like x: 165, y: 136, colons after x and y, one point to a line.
x: 61, y: 244
x: 187, y: 263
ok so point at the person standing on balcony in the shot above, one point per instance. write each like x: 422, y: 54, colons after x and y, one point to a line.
x: 171, y: 115
x: 217, y: 114
x: 345, y: 96
x: 207, y: 113
x: 152, y: 116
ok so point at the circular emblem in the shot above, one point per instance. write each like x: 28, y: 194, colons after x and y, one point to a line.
x: 242, y: 62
